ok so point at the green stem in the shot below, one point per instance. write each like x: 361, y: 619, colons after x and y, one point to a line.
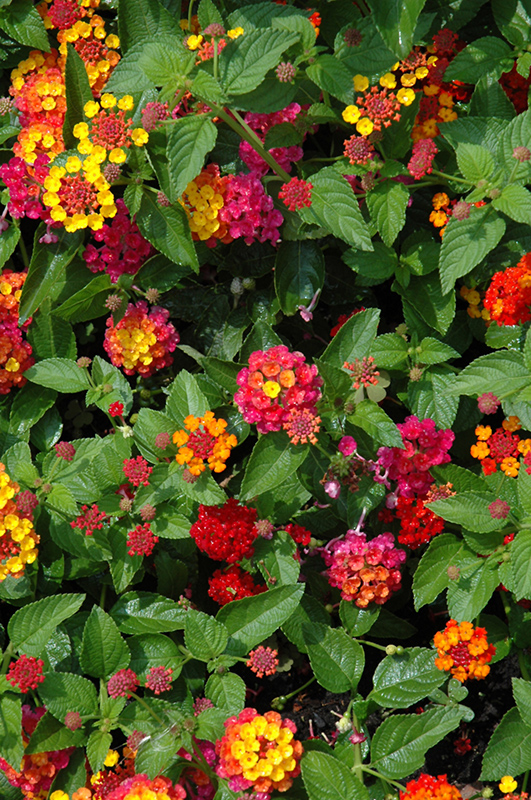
x: 190, y: 7
x: 526, y: 778
x: 300, y: 689
x: 23, y: 252
x: 452, y: 178
x: 358, y: 758
x: 381, y: 777
x: 372, y: 644
x: 6, y: 659
x: 148, y: 709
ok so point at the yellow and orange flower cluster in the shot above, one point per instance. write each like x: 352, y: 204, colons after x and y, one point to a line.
x: 204, y: 442
x: 78, y: 194
x: 18, y: 540
x: 202, y: 200
x: 501, y: 448
x: 473, y: 297
x: 463, y: 651
x: 427, y: 787
x: 260, y: 750
x: 109, y: 132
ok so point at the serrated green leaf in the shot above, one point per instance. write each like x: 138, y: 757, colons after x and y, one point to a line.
x: 31, y: 626
x: 21, y: 20
x: 396, y: 22
x: 273, y: 459
x: 428, y: 299
x: 78, y: 92
x: 520, y: 560
x: 88, y: 303
x: 469, y: 594
x: 469, y: 509
x: 166, y: 62
x: 501, y: 373
x: 387, y: 204
x: 50, y: 336
x: 515, y: 202
x: 327, y: 778
x: 486, y: 56
x: 337, y: 660
x: 331, y: 75
x: 509, y: 750
x: 299, y: 274
x: 400, y: 681
x: 244, y: 62
x: 431, y: 576
x: 335, y: 207
x: 374, y: 421
x: 60, y: 374
x: 50, y: 734
x: 146, y: 612
x: 356, y: 620
x: 63, y: 692
x: 374, y: 267
x: 97, y: 748
x: 184, y: 398
x: 466, y: 242
x: 354, y: 339
x: 11, y: 744
x: 475, y: 162
x: 276, y: 558
x: 226, y: 692
x: 167, y: 229
x: 152, y: 650
x: 138, y: 21
x: 103, y: 650
x: 8, y: 241
x: 522, y: 696
x: 204, y: 636
x: 190, y: 139
x: 309, y: 612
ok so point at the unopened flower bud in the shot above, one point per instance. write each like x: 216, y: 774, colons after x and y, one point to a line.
x: 343, y: 724
x: 248, y: 284
x: 453, y: 572
x: 521, y: 154
x: 126, y: 504
x: 113, y: 302
x: 152, y: 296
x: 390, y: 650
x: 84, y: 362
x: 236, y: 287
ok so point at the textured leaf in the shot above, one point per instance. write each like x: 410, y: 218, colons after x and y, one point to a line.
x: 299, y: 274
x: 276, y: 558
x: 471, y: 592
x: 327, y: 778
x: 244, y: 62
x: 103, y: 650
x: 374, y: 421
x: 509, y: 750
x: 354, y: 339
x: 332, y: 76
x: 152, y: 650
x: 400, y: 681
x: 522, y: 695
x: 78, y: 92
x: 167, y: 229
x: 428, y: 299
x: 273, y: 459
x: 138, y: 21
x: 502, y: 373
x: 334, y: 207
x: 387, y: 204
x: 469, y: 509
x: 30, y: 404
x: 475, y: 162
x: 50, y: 734
x: 486, y: 56
x: 60, y: 374
x: 167, y: 61
x: 431, y: 575
x: 520, y: 561
x: 337, y: 660
x: 396, y: 22
x: 146, y: 612
x: 189, y: 141
x: 515, y: 202
x: 205, y: 637
x: 466, y: 242
x: 23, y: 23
x: 88, y: 303
x: 31, y: 626
x: 8, y: 241
x: 97, y: 748
x: 11, y: 744
x: 184, y: 398
x: 63, y: 692
x: 51, y: 336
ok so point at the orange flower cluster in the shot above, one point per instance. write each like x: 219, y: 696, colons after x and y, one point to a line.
x: 444, y: 208
x: 259, y: 751
x: 463, y: 651
x: 205, y: 441
x: 426, y: 787
x: 501, y: 448
x: 508, y: 297
x: 18, y: 540
x: 15, y: 351
x: 473, y: 297
x: 202, y: 200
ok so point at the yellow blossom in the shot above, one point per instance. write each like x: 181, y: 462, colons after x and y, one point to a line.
x: 194, y: 42
x: 388, y: 81
x: 405, y: 96
x: 365, y: 126
x: 361, y: 83
x: 234, y: 33
x: 351, y: 114
x: 507, y: 784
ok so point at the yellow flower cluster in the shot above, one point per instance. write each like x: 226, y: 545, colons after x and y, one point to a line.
x: 78, y: 194
x: 18, y: 539
x: 473, y: 298
x: 94, y: 46
x: 202, y: 200
x: 109, y: 132
x: 205, y: 441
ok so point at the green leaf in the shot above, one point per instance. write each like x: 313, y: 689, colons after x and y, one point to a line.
x: 273, y: 459
x: 29, y: 406
x: 46, y: 269
x: 509, y: 750
x: 31, y: 626
x: 78, y: 92
x: 207, y: 13
x: 470, y: 593
x: 335, y: 207
x: 431, y: 576
x: 396, y: 22
x: 251, y: 620
x: 489, y: 99
x: 373, y: 420
x: 337, y: 660
x: 356, y: 620
x: 432, y: 351
x: 103, y: 649
x: 23, y: 23
x: 8, y: 241
x: 122, y: 565
x: 522, y: 695
x: 309, y: 612
x: 354, y: 339
x: 513, y: 19
x: 374, y: 267
x: 184, y: 398
x: 189, y: 140
x: 520, y: 560
x: 327, y: 778
x: 62, y: 692
x: 486, y: 56
x: 276, y: 558
x: 226, y: 692
x: 88, y: 303
x: 244, y: 62
x: 501, y: 373
x: 50, y: 734
x: 524, y: 491
x: 299, y: 274
x: 475, y: 162
x: 11, y: 744
x: 60, y: 374
x: 516, y: 134
x: 466, y: 242
x: 50, y: 336
x: 97, y: 748
x: 430, y: 397
x: 167, y: 229
x: 373, y: 58
x: 515, y: 202
x: 166, y: 62
x: 139, y: 21
x: 146, y: 612
x: 152, y: 650
x: 204, y: 636
x: 400, y: 743
x: 332, y: 76
x: 387, y: 204
x: 469, y: 509
x: 390, y: 350
x: 400, y: 681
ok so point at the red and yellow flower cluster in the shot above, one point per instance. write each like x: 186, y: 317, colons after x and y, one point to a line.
x: 426, y: 787
x: 18, y: 540
x: 15, y: 351
x: 463, y: 651
x: 501, y: 448
x: 508, y: 297
x: 259, y: 751
x: 141, y: 342
x: 204, y: 442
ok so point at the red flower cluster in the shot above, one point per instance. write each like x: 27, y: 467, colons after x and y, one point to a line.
x: 15, y: 351
x: 508, y: 297
x: 26, y: 673
x: 420, y: 163
x: 516, y: 87
x: 296, y: 194
x: 418, y: 525
x: 227, y: 532
x: 263, y: 661
x: 140, y: 787
x: 159, y: 679
x: 25, y: 183
x: 358, y: 149
x: 141, y: 342
x: 141, y: 540
x: 90, y: 520
x: 231, y: 584
x: 123, y: 683
x: 276, y: 382
x: 65, y: 450
x: 261, y: 124
x: 501, y: 448
x: 299, y: 534
x: 463, y: 650
x: 124, y: 249
x: 426, y: 787
x: 137, y: 471
x: 424, y: 447
x: 248, y: 212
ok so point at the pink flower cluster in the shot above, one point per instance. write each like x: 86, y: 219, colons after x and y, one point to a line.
x: 261, y: 124
x: 248, y: 210
x: 364, y: 571
x: 424, y: 447
x: 124, y: 248
x: 276, y: 382
x: 420, y: 163
x: 25, y: 184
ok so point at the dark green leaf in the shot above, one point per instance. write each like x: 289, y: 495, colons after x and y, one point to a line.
x: 402, y: 680
x: 103, y: 650
x: 31, y: 626
x: 190, y: 139
x: 78, y: 92
x: 466, y: 242
x: 387, y: 204
x: 60, y: 374
x: 486, y: 56
x: 509, y: 750
x: 89, y: 302
x: 167, y: 229
x: 337, y: 660
x: 396, y: 22
x: 327, y: 778
x: 244, y: 62
x: 299, y: 274
x: 145, y: 612
x: 332, y: 76
x: 273, y: 459
x: 23, y: 23
x: 139, y: 21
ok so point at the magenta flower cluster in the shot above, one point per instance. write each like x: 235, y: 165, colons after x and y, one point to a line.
x: 420, y: 163
x: 276, y: 382
x: 124, y: 249
x: 261, y: 124
x: 424, y: 447
x: 249, y: 211
x: 25, y: 187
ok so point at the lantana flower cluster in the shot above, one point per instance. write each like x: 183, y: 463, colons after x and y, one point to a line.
x: 205, y: 442
x: 109, y: 134
x: 427, y: 787
x: 15, y: 352
x: 501, y: 448
x: 140, y: 787
x: 418, y: 525
x: 142, y: 342
x: 18, y: 540
x: 261, y: 123
x: 232, y: 583
x: 463, y: 650
x: 508, y: 296
x: 259, y: 752
x: 277, y: 388
x: 227, y: 532
x: 365, y: 571
x: 424, y: 447
x: 124, y: 250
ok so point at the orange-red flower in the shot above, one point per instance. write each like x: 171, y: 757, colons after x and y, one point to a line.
x: 205, y: 441
x: 426, y: 787
x: 463, y: 650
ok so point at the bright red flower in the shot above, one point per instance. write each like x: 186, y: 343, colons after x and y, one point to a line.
x: 231, y: 584
x: 227, y: 532
x: 26, y: 673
